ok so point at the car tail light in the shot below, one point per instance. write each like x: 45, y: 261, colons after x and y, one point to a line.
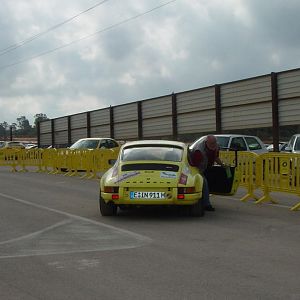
x: 111, y: 189
x: 185, y: 190
x: 115, y: 196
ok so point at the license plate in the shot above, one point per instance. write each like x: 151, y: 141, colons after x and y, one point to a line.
x: 147, y: 195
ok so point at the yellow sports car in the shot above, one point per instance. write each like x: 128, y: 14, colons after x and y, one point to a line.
x: 156, y: 172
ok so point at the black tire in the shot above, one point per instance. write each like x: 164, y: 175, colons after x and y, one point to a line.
x: 107, y: 209
x: 197, y: 209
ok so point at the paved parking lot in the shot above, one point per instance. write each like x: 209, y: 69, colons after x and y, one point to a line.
x: 55, y: 245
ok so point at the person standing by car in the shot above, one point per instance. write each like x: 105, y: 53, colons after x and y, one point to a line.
x: 203, y: 155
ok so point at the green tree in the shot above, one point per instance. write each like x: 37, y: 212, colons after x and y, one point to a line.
x: 39, y: 117
x: 3, y: 129
x: 23, y: 123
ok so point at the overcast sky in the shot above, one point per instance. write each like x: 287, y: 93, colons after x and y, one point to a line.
x: 61, y: 57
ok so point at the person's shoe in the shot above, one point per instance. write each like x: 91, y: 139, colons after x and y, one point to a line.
x: 209, y: 208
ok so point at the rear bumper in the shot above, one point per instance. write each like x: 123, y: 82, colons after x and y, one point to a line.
x: 189, y: 199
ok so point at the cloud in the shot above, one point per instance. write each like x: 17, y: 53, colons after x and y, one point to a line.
x: 185, y: 45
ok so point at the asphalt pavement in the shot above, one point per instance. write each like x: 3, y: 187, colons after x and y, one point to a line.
x: 54, y: 244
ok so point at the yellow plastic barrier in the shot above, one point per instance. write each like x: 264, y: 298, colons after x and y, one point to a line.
x: 10, y: 158
x: 246, y: 167
x: 278, y: 172
x: 33, y: 158
x: 271, y: 172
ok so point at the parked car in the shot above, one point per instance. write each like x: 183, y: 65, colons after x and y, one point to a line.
x: 31, y: 146
x: 156, y: 172
x: 238, y: 142
x: 12, y: 145
x: 293, y: 144
x: 282, y: 146
x: 95, y: 143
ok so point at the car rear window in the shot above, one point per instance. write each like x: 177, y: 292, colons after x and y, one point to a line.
x: 152, y: 153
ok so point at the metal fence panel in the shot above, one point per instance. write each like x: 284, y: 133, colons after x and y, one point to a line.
x: 77, y: 134
x: 100, y: 131
x: 157, y: 127
x: 289, y: 112
x: 247, y: 116
x: 45, y: 126
x: 157, y: 107
x: 127, y: 130
x: 289, y: 84
x: 246, y: 91
x: 123, y: 113
x: 100, y: 117
x: 195, y: 100
x: 61, y: 137
x: 199, y: 121
x: 45, y: 139
x: 79, y: 121
x: 61, y: 124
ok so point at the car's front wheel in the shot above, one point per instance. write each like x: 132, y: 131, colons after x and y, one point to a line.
x: 107, y: 209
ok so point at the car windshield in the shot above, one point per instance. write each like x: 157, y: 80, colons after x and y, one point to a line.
x: 223, y: 141
x: 85, y: 144
x: 152, y: 153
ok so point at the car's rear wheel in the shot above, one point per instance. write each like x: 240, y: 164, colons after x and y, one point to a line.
x: 107, y: 209
x: 197, y: 209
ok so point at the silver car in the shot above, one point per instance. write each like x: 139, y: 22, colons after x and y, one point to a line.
x: 238, y: 142
x: 293, y: 144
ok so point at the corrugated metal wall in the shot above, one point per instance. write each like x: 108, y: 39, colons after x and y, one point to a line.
x: 243, y: 104
x: 126, y: 121
x: 289, y: 97
x: 157, y: 117
x: 100, y: 123
x: 247, y: 104
x: 46, y: 133
x: 196, y: 111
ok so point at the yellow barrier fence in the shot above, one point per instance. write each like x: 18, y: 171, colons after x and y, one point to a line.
x: 278, y: 172
x: 270, y: 172
x: 246, y: 166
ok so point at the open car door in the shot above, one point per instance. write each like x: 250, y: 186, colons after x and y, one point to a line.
x: 223, y: 180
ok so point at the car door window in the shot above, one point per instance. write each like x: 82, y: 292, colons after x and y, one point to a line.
x: 104, y: 144
x: 223, y: 141
x: 113, y: 144
x: 110, y: 144
x: 238, y: 143
x: 253, y: 143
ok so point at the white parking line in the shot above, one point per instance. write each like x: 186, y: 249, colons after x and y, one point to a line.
x: 74, y: 235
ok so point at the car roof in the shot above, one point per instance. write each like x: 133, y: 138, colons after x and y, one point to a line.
x: 234, y: 135
x: 155, y: 142
x: 98, y: 139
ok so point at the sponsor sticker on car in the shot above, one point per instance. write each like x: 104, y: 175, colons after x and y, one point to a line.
x: 168, y: 174
x: 147, y: 195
